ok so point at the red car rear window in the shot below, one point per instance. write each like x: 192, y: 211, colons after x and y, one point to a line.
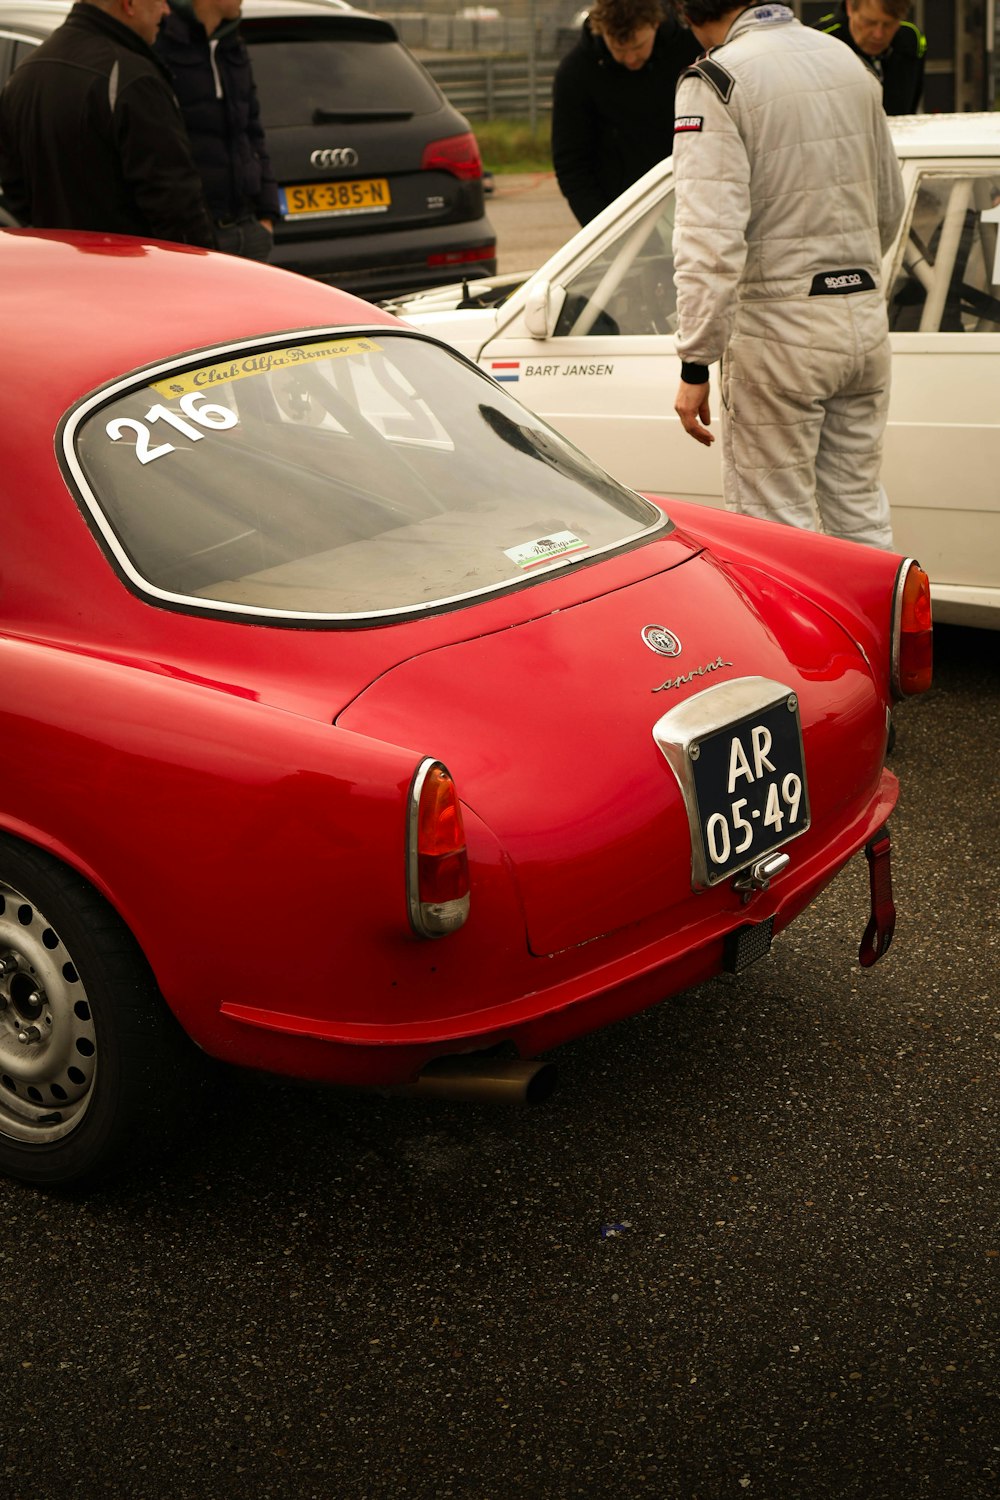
x: 353, y: 475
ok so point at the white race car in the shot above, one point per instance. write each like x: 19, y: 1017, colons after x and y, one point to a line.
x: 588, y: 342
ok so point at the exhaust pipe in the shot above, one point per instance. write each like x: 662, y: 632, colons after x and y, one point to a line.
x: 476, y: 1079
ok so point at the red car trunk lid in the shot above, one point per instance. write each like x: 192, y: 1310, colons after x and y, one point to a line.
x: 547, y: 730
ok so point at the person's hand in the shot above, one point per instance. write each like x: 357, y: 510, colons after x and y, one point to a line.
x: 268, y: 225
x: 693, y: 409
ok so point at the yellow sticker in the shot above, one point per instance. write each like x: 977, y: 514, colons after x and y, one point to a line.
x: 260, y: 364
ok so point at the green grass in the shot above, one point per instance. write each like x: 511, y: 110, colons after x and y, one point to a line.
x: 512, y: 145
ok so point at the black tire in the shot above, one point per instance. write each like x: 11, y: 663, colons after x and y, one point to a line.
x: 93, y: 1067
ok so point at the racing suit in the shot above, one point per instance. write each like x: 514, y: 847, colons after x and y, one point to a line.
x: 788, y: 195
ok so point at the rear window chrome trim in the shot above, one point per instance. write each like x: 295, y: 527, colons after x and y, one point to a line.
x: 105, y: 534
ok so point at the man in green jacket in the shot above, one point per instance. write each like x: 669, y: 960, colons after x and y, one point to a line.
x: 892, y: 46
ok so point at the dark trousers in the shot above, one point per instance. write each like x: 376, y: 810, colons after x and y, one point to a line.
x: 246, y: 236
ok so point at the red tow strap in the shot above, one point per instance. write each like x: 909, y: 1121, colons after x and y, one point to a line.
x: 882, y: 922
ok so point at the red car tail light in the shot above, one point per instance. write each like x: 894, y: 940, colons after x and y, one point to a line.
x: 437, y: 862
x: 912, y: 632
x: 457, y: 154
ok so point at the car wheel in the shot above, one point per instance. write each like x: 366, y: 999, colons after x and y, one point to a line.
x: 88, y: 1050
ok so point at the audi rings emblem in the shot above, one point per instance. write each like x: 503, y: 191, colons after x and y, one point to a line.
x: 334, y: 156
x: 662, y: 641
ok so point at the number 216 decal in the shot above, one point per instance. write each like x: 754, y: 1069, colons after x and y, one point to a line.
x: 208, y: 414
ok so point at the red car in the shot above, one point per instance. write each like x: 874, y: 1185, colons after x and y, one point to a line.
x: 357, y: 727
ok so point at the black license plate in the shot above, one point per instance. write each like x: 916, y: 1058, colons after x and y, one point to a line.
x: 736, y: 750
x: 751, y: 789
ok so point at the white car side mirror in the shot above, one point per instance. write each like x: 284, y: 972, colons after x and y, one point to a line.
x: 538, y: 309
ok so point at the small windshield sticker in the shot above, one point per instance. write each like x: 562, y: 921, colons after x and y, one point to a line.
x: 545, y: 549
x: 261, y: 364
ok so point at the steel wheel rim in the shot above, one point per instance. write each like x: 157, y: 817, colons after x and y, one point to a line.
x: 48, y: 1042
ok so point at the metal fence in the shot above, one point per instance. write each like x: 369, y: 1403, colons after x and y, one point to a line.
x: 485, y: 88
x: 962, y: 68
x: 436, y: 33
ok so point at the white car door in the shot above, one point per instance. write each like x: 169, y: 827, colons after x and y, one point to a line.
x: 592, y: 351
x: 590, y: 346
x: 942, y: 455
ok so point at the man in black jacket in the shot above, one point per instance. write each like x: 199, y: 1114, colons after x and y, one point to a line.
x: 201, y: 45
x: 613, y: 100
x: 878, y: 31
x: 90, y: 133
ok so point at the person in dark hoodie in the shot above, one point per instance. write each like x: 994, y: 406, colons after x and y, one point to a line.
x: 201, y: 46
x: 91, y: 136
x: 613, y: 100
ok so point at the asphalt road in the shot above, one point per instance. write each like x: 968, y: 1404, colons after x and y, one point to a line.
x: 750, y: 1247
x: 531, y: 219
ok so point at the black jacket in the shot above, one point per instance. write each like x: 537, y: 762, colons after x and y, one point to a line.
x: 218, y: 98
x: 900, y: 68
x: 91, y: 137
x: 610, y: 125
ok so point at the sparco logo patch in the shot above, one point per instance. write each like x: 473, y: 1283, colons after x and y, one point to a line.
x: 839, y: 283
x: 688, y: 122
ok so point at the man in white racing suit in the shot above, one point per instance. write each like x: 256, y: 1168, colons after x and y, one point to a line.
x: 788, y: 195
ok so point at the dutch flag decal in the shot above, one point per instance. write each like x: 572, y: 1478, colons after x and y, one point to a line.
x: 505, y: 370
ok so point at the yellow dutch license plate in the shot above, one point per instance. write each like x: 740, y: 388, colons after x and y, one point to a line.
x: 314, y: 199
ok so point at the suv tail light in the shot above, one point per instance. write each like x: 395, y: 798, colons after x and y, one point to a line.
x: 912, y: 632
x: 457, y: 154
x: 463, y: 257
x: 437, y: 862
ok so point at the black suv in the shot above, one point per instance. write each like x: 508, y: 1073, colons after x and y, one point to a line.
x: 381, y: 179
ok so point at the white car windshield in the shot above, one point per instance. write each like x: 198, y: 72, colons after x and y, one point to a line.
x: 344, y: 476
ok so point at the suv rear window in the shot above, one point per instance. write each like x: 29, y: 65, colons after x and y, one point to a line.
x: 311, y: 82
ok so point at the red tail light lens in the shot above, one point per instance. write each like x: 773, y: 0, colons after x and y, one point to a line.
x: 457, y: 154
x: 463, y: 257
x: 912, y: 632
x: 438, y: 865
